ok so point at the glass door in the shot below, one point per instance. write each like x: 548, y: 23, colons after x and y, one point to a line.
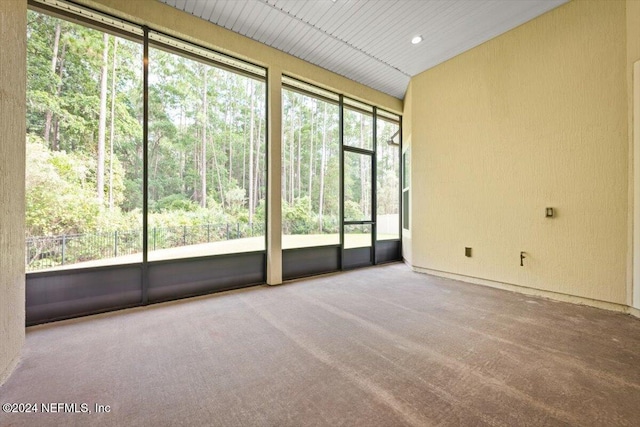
x: 358, y: 177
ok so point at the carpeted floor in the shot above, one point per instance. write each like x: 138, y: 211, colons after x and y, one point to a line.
x: 381, y: 346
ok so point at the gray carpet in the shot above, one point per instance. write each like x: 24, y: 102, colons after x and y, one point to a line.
x: 375, y: 347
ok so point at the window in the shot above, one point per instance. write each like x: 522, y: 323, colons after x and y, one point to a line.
x: 206, y: 151
x: 387, y: 177
x: 406, y: 174
x: 84, y: 146
x: 358, y: 187
x: 310, y: 166
x: 358, y: 126
x: 206, y: 154
x: 85, y: 150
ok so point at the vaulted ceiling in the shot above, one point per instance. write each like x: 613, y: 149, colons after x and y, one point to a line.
x: 369, y: 41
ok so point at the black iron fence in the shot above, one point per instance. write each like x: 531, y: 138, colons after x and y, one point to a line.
x: 53, y: 251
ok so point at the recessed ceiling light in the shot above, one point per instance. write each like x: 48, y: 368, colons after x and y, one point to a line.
x: 416, y: 39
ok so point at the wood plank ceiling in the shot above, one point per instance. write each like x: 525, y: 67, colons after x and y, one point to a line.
x: 369, y: 41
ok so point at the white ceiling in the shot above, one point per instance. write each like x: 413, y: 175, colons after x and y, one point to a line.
x: 369, y: 40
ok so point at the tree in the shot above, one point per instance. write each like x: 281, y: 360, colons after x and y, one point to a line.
x: 54, y: 62
x: 203, y: 151
x: 113, y: 118
x: 103, y: 119
x: 251, y: 142
x: 322, y: 167
x: 310, y: 188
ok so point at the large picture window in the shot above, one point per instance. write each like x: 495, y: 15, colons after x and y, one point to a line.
x: 388, y: 176
x: 206, y: 155
x: 206, y: 158
x: 84, y: 146
x: 311, y: 175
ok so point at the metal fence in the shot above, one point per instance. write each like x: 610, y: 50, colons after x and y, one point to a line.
x: 53, y: 251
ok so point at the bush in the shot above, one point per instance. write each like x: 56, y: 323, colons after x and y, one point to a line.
x: 59, y: 196
x: 175, y: 202
x: 296, y: 218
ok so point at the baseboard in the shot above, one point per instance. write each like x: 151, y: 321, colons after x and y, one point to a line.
x: 556, y: 296
x: 9, y: 369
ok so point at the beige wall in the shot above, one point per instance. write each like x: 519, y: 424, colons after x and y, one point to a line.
x: 534, y: 118
x: 634, y: 180
x: 633, y: 81
x: 13, y: 24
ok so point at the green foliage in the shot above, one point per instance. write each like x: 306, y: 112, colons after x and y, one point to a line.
x: 116, y: 219
x: 175, y: 202
x: 59, y: 194
x: 185, y: 218
x: 235, y: 200
x: 297, y: 219
x: 352, y: 210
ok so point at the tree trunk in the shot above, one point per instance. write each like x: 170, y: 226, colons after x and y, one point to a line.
x: 56, y: 128
x: 154, y: 158
x: 310, y: 192
x: 230, y: 111
x: 230, y: 159
x: 216, y: 166
x: 55, y: 144
x: 195, y: 185
x: 54, y: 63
x: 363, y: 191
x: 203, y: 149
x: 113, y: 116
x: 244, y: 162
x: 291, y: 165
x: 323, y: 160
x: 299, y: 157
x: 102, y: 125
x: 245, y: 135
x: 227, y: 124
x: 251, y: 189
x: 283, y: 166
x: 256, y: 185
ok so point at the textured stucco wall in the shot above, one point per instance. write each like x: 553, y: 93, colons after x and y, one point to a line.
x: 13, y: 24
x: 633, y: 81
x: 534, y: 118
x: 634, y: 180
